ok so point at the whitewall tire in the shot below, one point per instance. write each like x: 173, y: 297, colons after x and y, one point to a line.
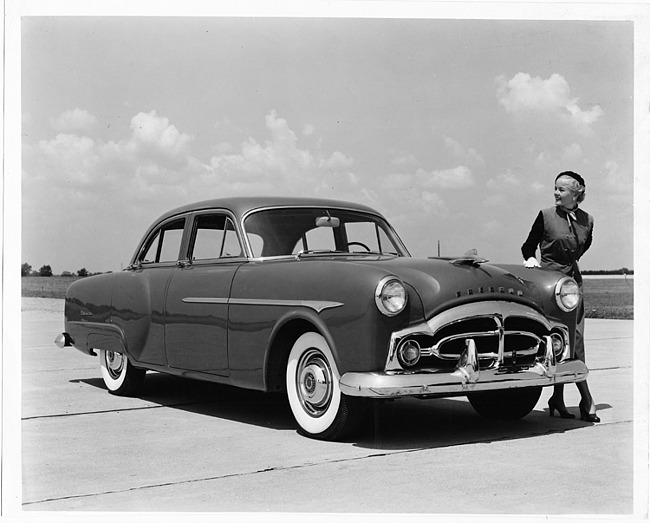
x: 315, y: 398
x: 120, y: 377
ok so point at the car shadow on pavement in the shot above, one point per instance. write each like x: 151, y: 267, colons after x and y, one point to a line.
x: 411, y: 423
x: 402, y: 424
x: 211, y: 399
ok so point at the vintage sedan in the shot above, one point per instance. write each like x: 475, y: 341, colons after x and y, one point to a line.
x: 321, y: 299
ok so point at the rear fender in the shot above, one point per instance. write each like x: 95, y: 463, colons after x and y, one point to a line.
x: 89, y: 337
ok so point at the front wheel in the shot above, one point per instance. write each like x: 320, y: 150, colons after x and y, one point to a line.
x: 121, y: 378
x: 506, y: 404
x: 321, y: 410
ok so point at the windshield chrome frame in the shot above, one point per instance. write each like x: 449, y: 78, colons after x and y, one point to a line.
x: 375, y: 215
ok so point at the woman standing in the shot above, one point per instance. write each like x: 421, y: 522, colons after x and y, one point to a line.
x: 563, y: 234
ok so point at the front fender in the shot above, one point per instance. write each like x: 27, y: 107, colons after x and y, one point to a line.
x: 544, y: 281
x: 265, y: 296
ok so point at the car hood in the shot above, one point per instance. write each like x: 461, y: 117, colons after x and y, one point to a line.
x: 442, y: 283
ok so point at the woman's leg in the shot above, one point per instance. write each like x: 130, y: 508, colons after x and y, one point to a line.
x: 558, y: 395
x: 556, y: 402
x: 585, y: 394
x: 587, y: 400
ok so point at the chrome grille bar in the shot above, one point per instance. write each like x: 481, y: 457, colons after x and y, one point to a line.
x: 498, y: 312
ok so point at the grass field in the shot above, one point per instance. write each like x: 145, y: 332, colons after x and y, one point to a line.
x: 608, y: 298
x: 45, y: 287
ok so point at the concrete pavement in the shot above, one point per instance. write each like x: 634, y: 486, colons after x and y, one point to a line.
x: 196, y: 447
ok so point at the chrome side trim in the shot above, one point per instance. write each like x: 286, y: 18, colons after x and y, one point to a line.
x: 214, y: 301
x: 390, y: 385
x: 318, y: 306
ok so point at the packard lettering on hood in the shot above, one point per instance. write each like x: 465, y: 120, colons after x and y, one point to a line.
x: 483, y: 290
x: 320, y: 299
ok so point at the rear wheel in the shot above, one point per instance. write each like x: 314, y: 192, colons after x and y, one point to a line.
x: 121, y: 378
x: 507, y: 404
x: 321, y: 410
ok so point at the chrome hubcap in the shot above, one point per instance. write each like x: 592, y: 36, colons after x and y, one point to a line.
x: 314, y: 382
x: 114, y: 363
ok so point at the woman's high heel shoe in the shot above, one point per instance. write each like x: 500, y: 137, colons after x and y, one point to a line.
x: 586, y: 416
x: 552, y: 407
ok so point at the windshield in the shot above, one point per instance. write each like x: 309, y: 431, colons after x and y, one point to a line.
x: 294, y: 231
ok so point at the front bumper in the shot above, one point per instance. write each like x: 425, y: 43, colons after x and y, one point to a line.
x: 464, y: 379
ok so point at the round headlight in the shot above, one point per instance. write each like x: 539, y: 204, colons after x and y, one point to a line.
x: 567, y: 294
x: 390, y: 296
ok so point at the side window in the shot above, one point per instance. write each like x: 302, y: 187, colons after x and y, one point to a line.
x: 165, y: 244
x: 215, y: 237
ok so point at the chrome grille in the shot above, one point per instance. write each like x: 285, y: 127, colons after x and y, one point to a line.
x: 506, y: 335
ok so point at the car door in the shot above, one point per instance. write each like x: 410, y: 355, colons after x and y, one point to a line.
x: 196, y: 311
x: 139, y: 292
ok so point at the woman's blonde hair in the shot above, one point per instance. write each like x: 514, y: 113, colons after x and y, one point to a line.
x: 578, y: 185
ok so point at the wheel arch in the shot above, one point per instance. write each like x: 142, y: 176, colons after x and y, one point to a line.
x: 106, y: 342
x: 113, y: 340
x: 283, y: 337
x: 90, y: 336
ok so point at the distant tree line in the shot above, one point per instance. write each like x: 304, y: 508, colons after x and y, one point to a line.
x: 46, y: 271
x: 623, y: 270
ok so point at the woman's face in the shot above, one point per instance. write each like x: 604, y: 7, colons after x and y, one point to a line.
x: 564, y: 195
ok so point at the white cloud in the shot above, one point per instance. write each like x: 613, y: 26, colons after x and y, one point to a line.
x: 616, y: 178
x: 224, y: 148
x: 503, y: 180
x: 538, y: 187
x: 278, y: 158
x: 466, y: 154
x: 456, y: 178
x: 405, y: 161
x: 454, y: 145
x: 495, y: 200
x: 152, y: 162
x: 156, y: 132
x: 308, y: 130
x: 523, y: 93
x: 492, y: 228
x: 572, y: 153
x: 336, y: 161
x: 398, y: 181
x: 281, y: 166
x: 75, y: 120
x: 69, y: 156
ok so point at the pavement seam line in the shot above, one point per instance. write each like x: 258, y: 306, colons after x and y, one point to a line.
x: 148, y: 407
x: 276, y: 469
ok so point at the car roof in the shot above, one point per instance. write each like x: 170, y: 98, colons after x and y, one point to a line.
x: 242, y: 204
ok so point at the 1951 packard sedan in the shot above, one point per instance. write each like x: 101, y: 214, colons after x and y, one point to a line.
x: 322, y: 300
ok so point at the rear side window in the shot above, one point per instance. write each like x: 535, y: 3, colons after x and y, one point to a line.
x: 215, y: 237
x: 165, y: 244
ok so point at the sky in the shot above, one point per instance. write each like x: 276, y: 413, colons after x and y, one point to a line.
x: 454, y: 129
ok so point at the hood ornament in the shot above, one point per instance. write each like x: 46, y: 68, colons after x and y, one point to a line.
x: 469, y: 258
